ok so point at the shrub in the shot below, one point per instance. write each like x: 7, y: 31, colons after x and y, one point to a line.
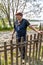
x: 6, y: 28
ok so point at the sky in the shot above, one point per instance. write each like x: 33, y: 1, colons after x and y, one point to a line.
x: 34, y: 15
x: 29, y: 7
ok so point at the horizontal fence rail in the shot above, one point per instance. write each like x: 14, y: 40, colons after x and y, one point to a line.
x: 10, y: 54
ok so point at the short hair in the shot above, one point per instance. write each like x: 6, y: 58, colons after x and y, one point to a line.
x: 19, y: 13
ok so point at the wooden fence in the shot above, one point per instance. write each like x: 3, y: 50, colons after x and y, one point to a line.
x: 10, y: 55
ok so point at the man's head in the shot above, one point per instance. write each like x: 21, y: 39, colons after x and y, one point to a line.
x: 19, y: 15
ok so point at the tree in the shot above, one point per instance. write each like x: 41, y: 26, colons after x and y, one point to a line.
x: 2, y: 21
x: 11, y: 6
x: 6, y: 10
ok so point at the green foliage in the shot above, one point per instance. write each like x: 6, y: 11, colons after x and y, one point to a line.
x: 5, y: 19
x: 6, y: 28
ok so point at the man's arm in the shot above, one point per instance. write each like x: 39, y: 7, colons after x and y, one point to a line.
x: 33, y: 28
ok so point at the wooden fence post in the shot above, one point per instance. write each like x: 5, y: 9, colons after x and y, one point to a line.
x: 39, y: 47
x: 26, y: 44
x: 11, y: 52
x: 22, y: 44
x: 5, y: 53
x: 30, y: 50
x: 0, y: 58
x: 42, y: 53
x: 16, y: 51
x: 34, y: 47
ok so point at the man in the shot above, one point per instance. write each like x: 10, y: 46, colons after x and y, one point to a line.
x: 20, y: 27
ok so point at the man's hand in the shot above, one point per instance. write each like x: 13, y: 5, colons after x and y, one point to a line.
x: 40, y: 32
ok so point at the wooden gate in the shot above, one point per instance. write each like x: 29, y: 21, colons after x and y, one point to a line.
x: 10, y: 54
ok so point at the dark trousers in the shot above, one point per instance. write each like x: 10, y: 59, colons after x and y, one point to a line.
x: 22, y: 49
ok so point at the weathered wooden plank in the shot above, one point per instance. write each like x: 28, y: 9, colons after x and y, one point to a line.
x: 5, y: 53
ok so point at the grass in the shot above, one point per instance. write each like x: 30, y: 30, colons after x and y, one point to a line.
x: 36, y: 62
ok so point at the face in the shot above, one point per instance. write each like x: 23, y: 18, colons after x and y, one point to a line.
x: 18, y: 17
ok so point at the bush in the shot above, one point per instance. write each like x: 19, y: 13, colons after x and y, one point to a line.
x: 6, y: 28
